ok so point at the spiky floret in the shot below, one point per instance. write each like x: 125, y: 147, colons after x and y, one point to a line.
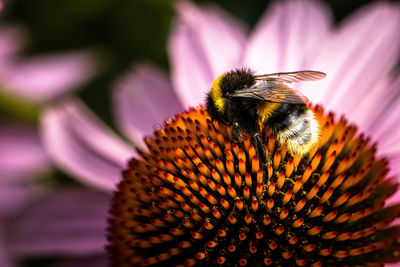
x: 198, y: 198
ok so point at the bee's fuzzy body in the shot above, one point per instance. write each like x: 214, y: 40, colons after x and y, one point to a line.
x: 293, y: 123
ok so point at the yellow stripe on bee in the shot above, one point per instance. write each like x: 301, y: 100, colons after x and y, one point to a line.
x: 216, y: 92
x: 266, y: 109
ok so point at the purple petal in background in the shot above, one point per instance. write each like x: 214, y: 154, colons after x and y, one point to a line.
x: 21, y: 154
x: 83, y: 146
x: 5, y: 260
x: 221, y: 36
x: 382, y: 106
x: 387, y: 132
x: 44, y: 77
x: 69, y: 222
x: 22, y: 159
x: 11, y: 41
x: 142, y: 99
x: 13, y: 197
x: 204, y: 43
x: 287, y: 36
x: 394, y: 166
x: 362, y: 51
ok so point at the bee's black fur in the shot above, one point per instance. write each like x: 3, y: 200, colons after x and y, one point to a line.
x: 236, y: 110
x: 236, y: 80
x: 283, y: 118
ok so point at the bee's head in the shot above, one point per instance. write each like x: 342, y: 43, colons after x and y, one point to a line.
x: 227, y: 83
x: 235, y: 80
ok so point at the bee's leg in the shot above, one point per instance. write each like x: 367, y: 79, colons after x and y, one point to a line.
x: 263, y: 155
x: 263, y: 137
x: 237, y: 133
x: 264, y: 133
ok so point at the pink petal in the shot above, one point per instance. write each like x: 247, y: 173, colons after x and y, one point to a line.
x: 5, y: 263
x: 142, y: 99
x: 204, y: 43
x: 357, y: 57
x: 22, y: 159
x: 21, y: 154
x: 377, y: 115
x: 394, y: 166
x: 83, y: 146
x: 11, y: 41
x: 375, y: 104
x: 384, y: 119
x: 5, y: 260
x: 287, y: 36
x: 388, y: 136
x: 13, y: 198
x: 42, y: 78
x: 70, y: 222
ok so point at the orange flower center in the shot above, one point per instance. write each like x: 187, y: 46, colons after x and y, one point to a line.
x: 197, y: 197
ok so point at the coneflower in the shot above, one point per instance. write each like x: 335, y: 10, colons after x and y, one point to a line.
x: 360, y: 85
x: 198, y: 198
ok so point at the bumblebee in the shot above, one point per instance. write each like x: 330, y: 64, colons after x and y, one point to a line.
x: 242, y: 100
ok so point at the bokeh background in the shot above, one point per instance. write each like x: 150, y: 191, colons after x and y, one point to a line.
x: 121, y: 33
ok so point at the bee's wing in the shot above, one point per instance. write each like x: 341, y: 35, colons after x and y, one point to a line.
x: 279, y: 93
x: 290, y: 77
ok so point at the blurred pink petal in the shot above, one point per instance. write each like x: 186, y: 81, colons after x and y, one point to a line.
x: 375, y: 103
x: 287, y: 36
x: 384, y: 128
x: 357, y: 56
x: 142, y: 99
x: 13, y: 198
x: 394, y: 166
x: 21, y: 154
x: 5, y: 260
x: 22, y: 159
x: 69, y: 222
x: 210, y: 24
x: 79, y: 143
x: 204, y: 43
x: 44, y: 77
x: 388, y: 134
x: 11, y: 41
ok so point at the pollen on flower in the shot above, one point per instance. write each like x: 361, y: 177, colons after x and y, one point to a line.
x: 198, y: 198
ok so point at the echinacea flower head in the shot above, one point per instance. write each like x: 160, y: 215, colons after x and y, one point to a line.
x: 192, y: 196
x: 200, y: 198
